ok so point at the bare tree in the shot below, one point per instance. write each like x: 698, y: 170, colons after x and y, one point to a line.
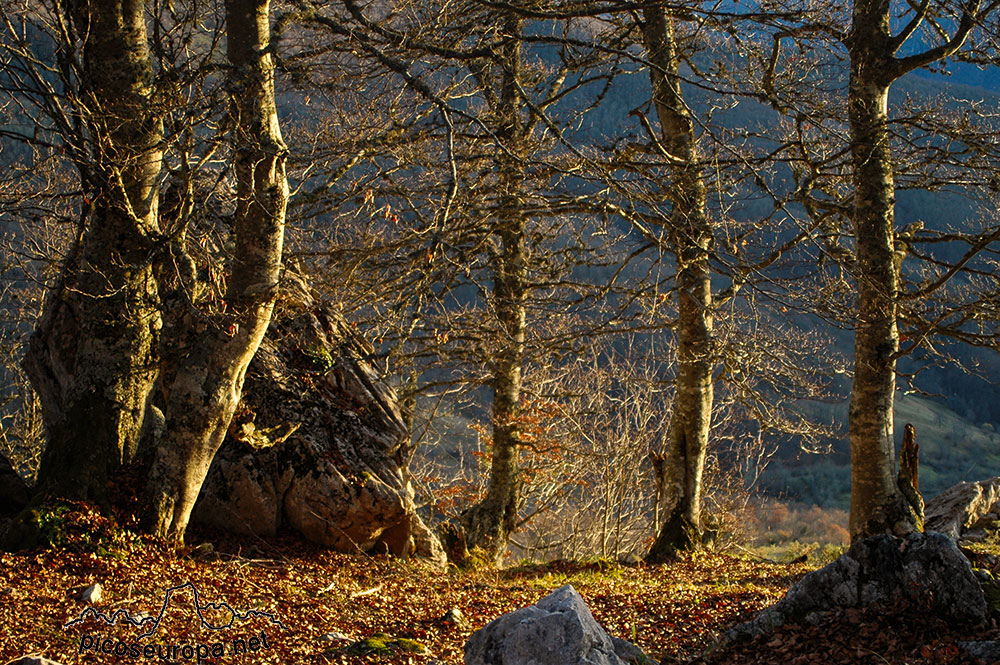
x: 909, y: 281
x: 483, y: 243
x: 680, y: 474
x: 128, y: 100
x: 210, y: 363
x: 878, y: 504
x: 92, y: 359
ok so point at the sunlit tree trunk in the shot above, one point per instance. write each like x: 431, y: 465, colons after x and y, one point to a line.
x: 489, y: 523
x: 206, y: 384
x: 877, y: 503
x: 683, y: 461
x: 92, y: 359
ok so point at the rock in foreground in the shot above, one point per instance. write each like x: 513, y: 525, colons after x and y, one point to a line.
x: 559, y: 630
x: 925, y: 569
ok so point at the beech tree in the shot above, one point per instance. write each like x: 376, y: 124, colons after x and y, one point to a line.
x: 210, y: 360
x: 878, y: 503
x: 913, y: 278
x: 93, y: 357
x: 690, y: 232
x: 127, y: 325
x: 717, y: 335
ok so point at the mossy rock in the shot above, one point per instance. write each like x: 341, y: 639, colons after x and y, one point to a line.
x: 319, y: 357
x: 381, y: 644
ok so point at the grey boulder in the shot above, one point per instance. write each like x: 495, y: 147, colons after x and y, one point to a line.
x: 926, y: 569
x: 558, y: 630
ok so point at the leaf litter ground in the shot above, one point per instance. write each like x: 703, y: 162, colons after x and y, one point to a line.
x: 393, y: 611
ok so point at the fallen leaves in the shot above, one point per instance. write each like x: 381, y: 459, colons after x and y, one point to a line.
x: 673, y: 612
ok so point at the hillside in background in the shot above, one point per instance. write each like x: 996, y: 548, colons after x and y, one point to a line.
x: 954, y: 408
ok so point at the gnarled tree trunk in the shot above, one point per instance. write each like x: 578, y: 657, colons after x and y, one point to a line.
x: 682, y: 463
x: 207, y: 380
x: 92, y: 359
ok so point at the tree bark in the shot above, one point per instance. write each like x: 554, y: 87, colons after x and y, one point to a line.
x: 680, y: 471
x: 206, y: 385
x: 489, y: 523
x: 877, y: 506
x: 92, y: 359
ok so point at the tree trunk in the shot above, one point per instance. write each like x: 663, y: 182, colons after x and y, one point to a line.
x: 680, y: 473
x: 205, y: 389
x: 92, y: 359
x: 877, y: 505
x: 489, y: 523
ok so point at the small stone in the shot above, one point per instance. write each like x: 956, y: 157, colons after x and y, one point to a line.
x: 456, y: 618
x: 92, y: 594
x: 335, y: 636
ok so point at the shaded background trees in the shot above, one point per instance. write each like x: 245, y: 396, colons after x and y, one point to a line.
x: 602, y: 251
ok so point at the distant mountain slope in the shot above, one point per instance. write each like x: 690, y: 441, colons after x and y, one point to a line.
x: 952, y: 450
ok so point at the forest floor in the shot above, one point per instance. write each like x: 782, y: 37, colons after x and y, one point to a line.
x: 394, y: 610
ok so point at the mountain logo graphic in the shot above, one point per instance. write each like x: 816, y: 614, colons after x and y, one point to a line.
x: 150, y: 624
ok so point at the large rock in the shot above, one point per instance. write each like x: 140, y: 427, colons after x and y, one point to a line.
x: 925, y: 569
x: 559, y: 630
x: 965, y: 509
x: 318, y: 444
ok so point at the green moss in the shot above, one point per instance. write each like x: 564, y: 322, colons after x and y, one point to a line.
x: 75, y: 526
x: 376, y: 643
x: 409, y: 645
x: 319, y: 356
x: 480, y: 559
x: 991, y: 588
x: 381, y: 644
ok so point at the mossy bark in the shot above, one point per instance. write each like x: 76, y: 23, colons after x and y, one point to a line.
x: 204, y: 386
x: 92, y: 359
